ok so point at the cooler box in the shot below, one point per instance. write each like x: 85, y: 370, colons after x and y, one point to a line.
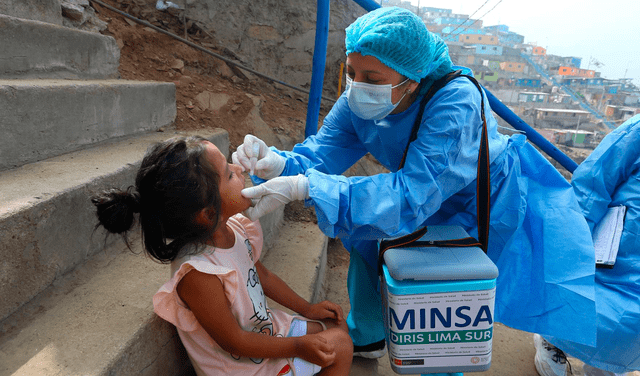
x: 438, y: 306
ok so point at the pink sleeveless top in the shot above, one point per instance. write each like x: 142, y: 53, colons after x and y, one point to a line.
x: 236, y: 269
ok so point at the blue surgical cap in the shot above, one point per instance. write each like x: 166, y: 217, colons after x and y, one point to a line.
x: 401, y: 41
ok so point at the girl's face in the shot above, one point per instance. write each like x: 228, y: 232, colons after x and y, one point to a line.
x: 231, y: 182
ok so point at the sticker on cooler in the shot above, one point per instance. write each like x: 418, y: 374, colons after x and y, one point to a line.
x: 447, y: 329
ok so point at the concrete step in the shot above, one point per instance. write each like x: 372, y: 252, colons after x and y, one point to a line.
x: 34, y: 49
x: 52, y: 117
x: 299, y: 258
x: 47, y: 220
x: 99, y: 320
x: 40, y: 10
x: 96, y: 320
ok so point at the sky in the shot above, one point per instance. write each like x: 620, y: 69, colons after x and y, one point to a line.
x: 605, y: 30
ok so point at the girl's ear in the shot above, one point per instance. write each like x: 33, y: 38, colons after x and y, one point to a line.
x: 205, y: 217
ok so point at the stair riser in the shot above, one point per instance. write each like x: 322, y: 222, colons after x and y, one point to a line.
x: 50, y: 238
x: 48, y: 227
x: 41, y: 10
x: 33, y: 49
x: 155, y: 350
x: 55, y: 117
x: 96, y: 320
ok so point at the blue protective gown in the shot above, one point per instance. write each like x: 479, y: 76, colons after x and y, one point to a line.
x: 538, y: 237
x: 610, y: 176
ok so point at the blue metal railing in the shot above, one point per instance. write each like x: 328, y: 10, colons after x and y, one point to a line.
x: 317, y: 78
x: 569, y: 91
x: 319, y: 62
x: 533, y: 136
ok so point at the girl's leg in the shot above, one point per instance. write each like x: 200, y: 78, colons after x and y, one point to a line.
x: 338, y: 334
x: 344, y: 351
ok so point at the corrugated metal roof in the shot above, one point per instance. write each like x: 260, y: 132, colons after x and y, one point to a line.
x: 562, y: 110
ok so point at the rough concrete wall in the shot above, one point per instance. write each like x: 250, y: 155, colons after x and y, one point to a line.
x: 41, y: 10
x: 277, y: 37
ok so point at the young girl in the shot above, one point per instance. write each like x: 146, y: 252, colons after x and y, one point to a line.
x: 189, y: 204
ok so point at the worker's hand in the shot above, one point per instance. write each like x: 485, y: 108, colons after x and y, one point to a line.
x: 274, y: 193
x: 256, y: 157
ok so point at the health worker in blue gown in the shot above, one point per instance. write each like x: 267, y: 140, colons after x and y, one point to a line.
x: 610, y: 177
x: 538, y: 237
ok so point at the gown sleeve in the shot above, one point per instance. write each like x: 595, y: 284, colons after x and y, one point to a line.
x: 612, y: 163
x: 441, y: 162
x: 334, y: 149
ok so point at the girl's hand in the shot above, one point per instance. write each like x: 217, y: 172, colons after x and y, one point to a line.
x: 315, y: 349
x: 324, y: 310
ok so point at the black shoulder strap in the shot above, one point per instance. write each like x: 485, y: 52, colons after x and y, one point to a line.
x: 437, y: 85
x: 483, y: 179
x: 483, y: 188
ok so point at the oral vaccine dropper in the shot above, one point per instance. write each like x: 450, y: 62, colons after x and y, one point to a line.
x: 254, y: 157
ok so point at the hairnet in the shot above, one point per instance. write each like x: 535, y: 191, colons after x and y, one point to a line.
x: 401, y: 41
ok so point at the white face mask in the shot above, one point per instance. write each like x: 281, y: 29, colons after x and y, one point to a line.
x: 369, y: 101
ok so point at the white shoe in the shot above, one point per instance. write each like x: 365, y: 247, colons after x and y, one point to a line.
x: 549, y: 360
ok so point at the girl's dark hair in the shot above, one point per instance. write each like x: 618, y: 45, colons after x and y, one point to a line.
x: 174, y: 183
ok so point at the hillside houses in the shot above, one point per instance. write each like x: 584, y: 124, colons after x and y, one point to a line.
x: 519, y: 74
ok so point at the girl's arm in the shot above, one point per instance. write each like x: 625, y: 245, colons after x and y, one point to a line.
x: 204, y: 295
x: 276, y: 289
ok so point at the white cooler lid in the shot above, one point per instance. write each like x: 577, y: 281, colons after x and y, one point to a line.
x: 438, y: 263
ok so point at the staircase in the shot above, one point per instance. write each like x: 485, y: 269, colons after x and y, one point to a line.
x: 569, y: 91
x: 74, y: 302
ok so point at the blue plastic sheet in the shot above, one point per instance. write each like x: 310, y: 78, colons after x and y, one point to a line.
x: 610, y: 176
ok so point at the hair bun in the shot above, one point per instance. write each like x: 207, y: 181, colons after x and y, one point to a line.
x: 115, y: 209
x: 133, y: 200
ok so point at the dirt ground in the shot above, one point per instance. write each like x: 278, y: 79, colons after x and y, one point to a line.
x: 148, y: 55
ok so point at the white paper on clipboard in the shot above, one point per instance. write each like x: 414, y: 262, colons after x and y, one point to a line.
x: 606, y: 235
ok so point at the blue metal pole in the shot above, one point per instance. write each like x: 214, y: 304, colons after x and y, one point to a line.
x: 533, y: 136
x: 368, y: 5
x: 319, y: 61
x: 317, y: 72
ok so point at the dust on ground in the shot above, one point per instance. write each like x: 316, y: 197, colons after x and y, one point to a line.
x: 296, y: 211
